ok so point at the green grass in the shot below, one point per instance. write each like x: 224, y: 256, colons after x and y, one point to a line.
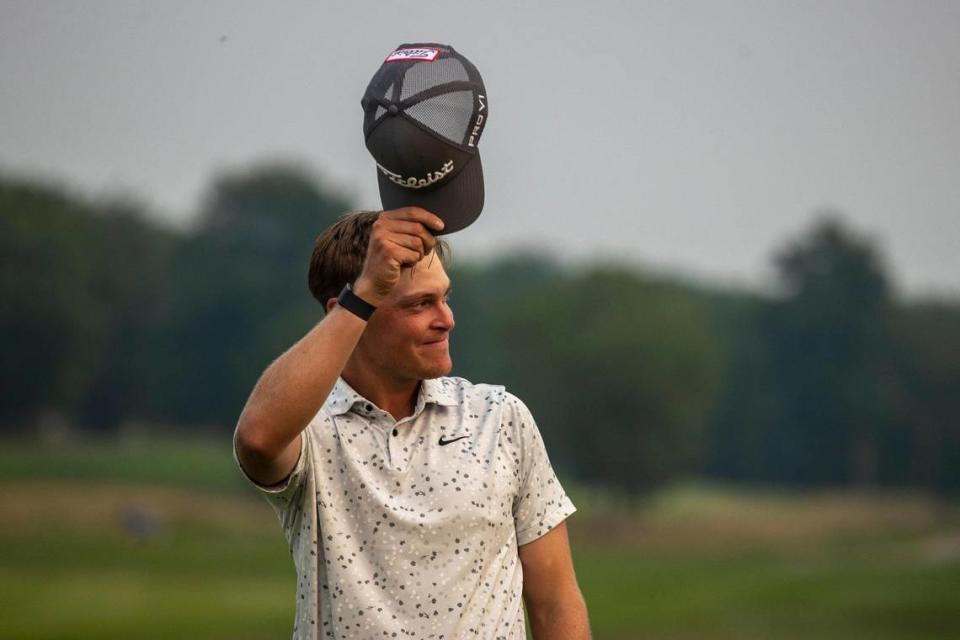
x: 695, y: 562
x: 194, y: 583
x: 200, y: 462
x: 674, y: 596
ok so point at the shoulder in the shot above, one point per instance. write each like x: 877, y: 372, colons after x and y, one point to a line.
x: 461, y: 391
x: 480, y: 398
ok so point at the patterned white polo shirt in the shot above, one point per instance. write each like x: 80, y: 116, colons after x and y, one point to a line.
x: 410, y: 529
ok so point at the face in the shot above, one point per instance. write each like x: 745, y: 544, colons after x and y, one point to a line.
x: 406, y: 338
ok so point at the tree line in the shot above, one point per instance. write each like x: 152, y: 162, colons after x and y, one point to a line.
x: 109, y: 318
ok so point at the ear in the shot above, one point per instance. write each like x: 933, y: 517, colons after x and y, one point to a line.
x: 331, y: 303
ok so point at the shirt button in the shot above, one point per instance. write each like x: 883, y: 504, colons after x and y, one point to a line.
x: 395, y: 432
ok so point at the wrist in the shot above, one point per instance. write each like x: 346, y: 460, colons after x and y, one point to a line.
x: 354, y: 303
x: 366, y: 292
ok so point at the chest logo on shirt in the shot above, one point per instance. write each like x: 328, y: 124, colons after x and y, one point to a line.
x: 445, y: 442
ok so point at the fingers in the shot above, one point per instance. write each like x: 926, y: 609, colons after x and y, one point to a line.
x: 397, y: 246
x: 399, y: 239
x: 411, y: 242
x: 412, y: 230
x: 405, y: 256
x: 403, y: 227
x: 415, y: 214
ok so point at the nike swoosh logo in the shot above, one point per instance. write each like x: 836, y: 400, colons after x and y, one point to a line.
x: 443, y: 442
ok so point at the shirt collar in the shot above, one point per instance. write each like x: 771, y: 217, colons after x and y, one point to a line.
x: 438, y: 391
x: 435, y: 390
x: 343, y: 397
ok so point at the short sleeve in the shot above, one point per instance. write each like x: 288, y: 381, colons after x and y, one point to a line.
x: 281, y: 494
x: 541, y: 503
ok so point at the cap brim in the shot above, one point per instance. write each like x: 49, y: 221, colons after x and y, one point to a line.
x: 458, y: 203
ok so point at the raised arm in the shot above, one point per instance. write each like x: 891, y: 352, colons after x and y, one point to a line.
x: 294, y: 387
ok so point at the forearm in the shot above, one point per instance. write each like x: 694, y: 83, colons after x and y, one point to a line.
x: 294, y: 387
x: 563, y: 620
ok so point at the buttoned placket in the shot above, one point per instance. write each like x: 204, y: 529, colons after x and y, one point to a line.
x: 397, y: 433
x: 401, y: 438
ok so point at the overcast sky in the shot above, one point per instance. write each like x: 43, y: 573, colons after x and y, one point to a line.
x: 693, y: 136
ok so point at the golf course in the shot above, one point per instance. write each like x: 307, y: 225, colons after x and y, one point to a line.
x: 161, y: 538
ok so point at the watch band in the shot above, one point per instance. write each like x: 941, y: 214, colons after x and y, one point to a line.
x: 355, y: 304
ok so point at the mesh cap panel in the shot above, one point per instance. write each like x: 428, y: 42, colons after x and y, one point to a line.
x: 427, y: 75
x: 448, y: 114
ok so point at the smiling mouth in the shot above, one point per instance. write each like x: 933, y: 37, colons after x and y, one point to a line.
x: 435, y: 343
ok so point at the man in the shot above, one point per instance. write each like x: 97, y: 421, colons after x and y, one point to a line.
x: 415, y: 505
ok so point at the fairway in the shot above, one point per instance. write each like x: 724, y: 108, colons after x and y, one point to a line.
x: 180, y: 548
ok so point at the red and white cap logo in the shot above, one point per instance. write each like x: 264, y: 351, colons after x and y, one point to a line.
x: 413, y: 54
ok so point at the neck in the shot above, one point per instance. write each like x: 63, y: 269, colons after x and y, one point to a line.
x: 396, y: 397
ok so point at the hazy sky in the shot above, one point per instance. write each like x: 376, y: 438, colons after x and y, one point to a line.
x: 694, y: 136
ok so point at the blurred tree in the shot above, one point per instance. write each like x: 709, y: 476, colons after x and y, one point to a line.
x: 831, y: 339
x: 82, y: 286
x: 926, y: 452
x: 108, y: 317
x: 619, y: 372
x: 481, y: 295
x: 748, y: 403
x: 132, y: 262
x: 51, y: 320
x: 240, y: 289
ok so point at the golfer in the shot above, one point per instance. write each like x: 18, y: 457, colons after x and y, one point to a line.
x: 415, y: 505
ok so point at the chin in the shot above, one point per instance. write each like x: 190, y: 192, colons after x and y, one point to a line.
x: 436, y: 369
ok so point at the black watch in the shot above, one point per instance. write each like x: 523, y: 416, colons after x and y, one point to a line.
x: 355, y: 304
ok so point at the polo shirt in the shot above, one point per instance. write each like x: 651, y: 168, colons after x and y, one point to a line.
x: 410, y: 528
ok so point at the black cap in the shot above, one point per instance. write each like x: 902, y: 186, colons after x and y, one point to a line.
x: 424, y: 111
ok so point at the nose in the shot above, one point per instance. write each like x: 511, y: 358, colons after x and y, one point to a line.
x: 444, y: 317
